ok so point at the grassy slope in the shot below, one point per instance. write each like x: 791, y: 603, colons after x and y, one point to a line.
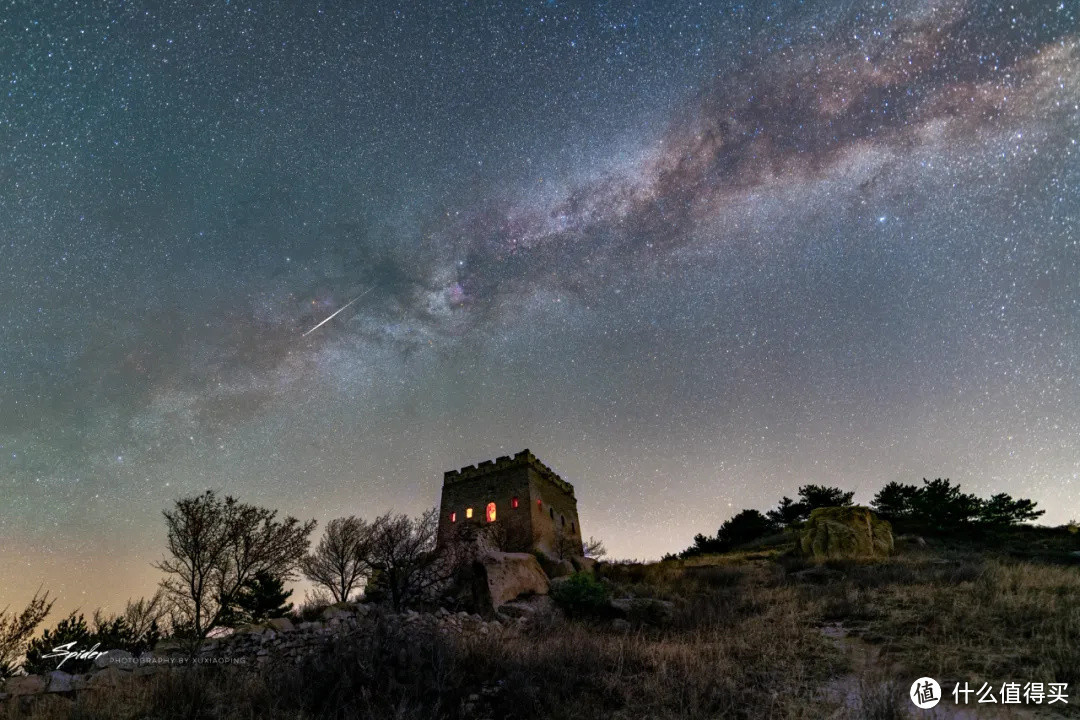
x: 745, y: 640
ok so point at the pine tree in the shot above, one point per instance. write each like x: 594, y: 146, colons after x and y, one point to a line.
x: 262, y: 597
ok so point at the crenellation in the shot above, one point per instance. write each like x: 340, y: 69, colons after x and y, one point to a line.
x: 520, y: 478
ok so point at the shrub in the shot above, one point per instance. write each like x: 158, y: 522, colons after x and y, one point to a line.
x: 581, y: 595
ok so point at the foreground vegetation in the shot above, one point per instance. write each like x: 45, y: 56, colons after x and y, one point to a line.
x: 751, y: 634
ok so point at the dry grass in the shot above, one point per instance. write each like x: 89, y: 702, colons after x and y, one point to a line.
x: 994, y: 620
x: 744, y: 640
x: 729, y: 652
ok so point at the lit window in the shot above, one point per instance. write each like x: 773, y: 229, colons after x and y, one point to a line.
x: 468, y: 512
x: 453, y: 517
x: 514, y: 503
x: 491, y: 512
x: 540, y: 504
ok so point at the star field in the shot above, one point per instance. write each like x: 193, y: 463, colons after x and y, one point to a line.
x: 692, y: 255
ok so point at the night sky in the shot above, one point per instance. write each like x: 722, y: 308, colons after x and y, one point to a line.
x: 692, y: 255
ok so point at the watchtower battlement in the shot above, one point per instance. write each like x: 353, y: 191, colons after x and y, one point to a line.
x: 525, y: 458
x: 530, y: 502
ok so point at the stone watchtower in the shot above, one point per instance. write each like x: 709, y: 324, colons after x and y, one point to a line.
x: 535, y: 507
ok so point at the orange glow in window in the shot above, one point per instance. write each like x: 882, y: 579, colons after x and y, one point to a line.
x: 468, y: 512
x: 491, y: 512
x: 514, y: 503
x: 453, y: 517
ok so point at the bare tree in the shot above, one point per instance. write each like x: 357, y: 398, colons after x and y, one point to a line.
x: 566, y: 545
x: 215, y: 547
x: 593, y: 548
x: 16, y: 629
x: 341, y: 562
x: 141, y: 618
x: 404, y: 557
x: 145, y: 614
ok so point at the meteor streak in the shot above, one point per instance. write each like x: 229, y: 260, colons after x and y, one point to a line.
x: 331, y: 317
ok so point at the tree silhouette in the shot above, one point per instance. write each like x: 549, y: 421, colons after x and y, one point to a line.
x: 260, y: 598
x: 1002, y: 510
x: 788, y: 512
x: 744, y: 527
x: 341, y: 562
x: 215, y: 547
x: 16, y: 630
x: 813, y: 497
x: 407, y: 567
x: 895, y: 501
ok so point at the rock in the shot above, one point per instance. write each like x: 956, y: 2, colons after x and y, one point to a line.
x: 60, y: 681
x: 115, y: 658
x: 25, y: 685
x: 281, y: 624
x: 846, y: 532
x: 223, y: 632
x: 109, y: 677
x: 620, y: 625
x: 336, y: 612
x: 647, y: 610
x: 506, y: 576
x: 555, y: 568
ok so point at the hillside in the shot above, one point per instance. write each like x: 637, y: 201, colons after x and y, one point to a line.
x: 754, y: 633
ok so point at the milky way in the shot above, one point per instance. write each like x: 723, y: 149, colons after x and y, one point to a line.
x: 692, y: 257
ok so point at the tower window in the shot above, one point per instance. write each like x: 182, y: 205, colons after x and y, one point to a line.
x: 551, y: 512
x: 453, y: 517
x: 491, y: 512
x: 562, y: 520
x: 514, y: 503
x: 468, y: 512
x: 572, y: 528
x: 540, y: 504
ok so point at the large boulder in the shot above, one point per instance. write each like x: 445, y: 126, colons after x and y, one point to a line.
x: 507, y: 576
x: 845, y: 532
x: 60, y: 682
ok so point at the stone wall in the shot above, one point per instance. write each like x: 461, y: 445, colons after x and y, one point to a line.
x: 278, y: 641
x: 526, y: 528
x: 556, y: 512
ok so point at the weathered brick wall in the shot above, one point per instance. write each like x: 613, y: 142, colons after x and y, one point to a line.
x: 556, y: 512
x: 529, y: 526
x: 500, y: 487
